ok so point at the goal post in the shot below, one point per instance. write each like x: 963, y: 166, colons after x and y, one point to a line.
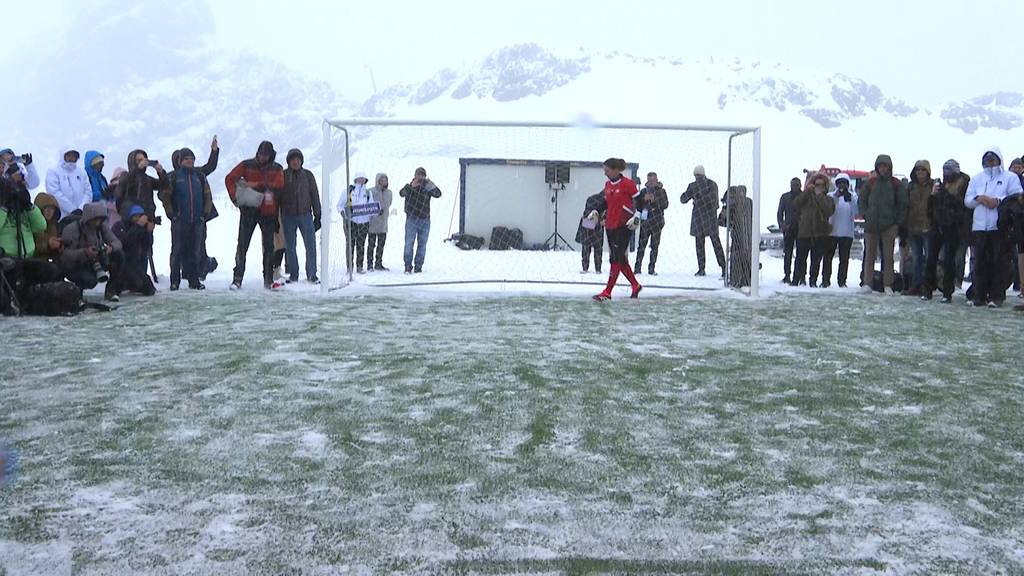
x: 531, y: 180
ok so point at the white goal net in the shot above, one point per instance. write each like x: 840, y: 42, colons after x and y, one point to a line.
x: 503, y: 203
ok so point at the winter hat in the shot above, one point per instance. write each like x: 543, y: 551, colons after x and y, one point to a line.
x: 12, y: 169
x: 951, y: 166
x: 186, y: 153
x: 134, y: 211
x: 421, y: 171
x: 295, y: 153
x: 842, y: 176
x: 699, y: 171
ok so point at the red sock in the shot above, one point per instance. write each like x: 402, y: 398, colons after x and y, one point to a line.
x: 628, y: 273
x: 613, y: 277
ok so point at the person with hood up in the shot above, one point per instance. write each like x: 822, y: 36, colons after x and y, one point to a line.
x: 946, y: 215
x: 590, y: 233
x: 92, y: 253
x: 25, y: 165
x: 255, y: 187
x: 653, y: 203
x: 737, y: 215
x: 883, y: 202
x: 704, y: 222
x: 135, y: 232
x: 206, y: 264
x: 379, y: 224
x: 986, y: 191
x: 48, y: 244
x: 69, y: 183
x: 300, y: 212
x: 188, y: 202
x: 94, y: 162
x: 815, y: 232
x: 842, y: 232
x: 417, y: 194
x: 138, y: 187
x: 20, y: 221
x: 918, y: 224
x: 788, y: 219
x: 357, y: 228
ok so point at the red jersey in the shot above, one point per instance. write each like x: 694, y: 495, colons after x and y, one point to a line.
x: 619, y: 197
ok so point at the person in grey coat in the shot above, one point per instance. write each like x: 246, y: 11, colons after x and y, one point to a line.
x: 300, y: 212
x: 379, y: 225
x: 704, y: 223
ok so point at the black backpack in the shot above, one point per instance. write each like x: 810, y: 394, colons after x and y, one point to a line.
x: 68, y: 220
x: 506, y: 238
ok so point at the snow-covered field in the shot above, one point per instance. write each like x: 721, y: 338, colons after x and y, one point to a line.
x: 266, y: 433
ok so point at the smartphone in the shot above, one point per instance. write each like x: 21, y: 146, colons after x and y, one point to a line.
x: 153, y: 163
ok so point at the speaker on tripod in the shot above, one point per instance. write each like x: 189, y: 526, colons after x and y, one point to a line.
x: 556, y: 176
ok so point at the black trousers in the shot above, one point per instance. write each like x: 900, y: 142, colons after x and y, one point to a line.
x: 84, y: 275
x: 788, y: 245
x: 651, y: 234
x: 598, y: 252
x: 375, y: 249
x: 618, y: 245
x: 816, y: 248
x: 187, y: 241
x: 946, y: 243
x: 359, y: 233
x: 991, y: 267
x: 843, y: 246
x: 716, y: 243
x: 249, y: 219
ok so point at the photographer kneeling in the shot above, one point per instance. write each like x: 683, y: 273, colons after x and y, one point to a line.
x: 20, y: 220
x: 135, y: 231
x: 92, y: 254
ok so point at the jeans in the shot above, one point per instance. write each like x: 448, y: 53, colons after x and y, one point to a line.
x: 843, y: 245
x: 303, y: 225
x: 186, y: 250
x: 650, y: 234
x: 248, y: 220
x: 416, y: 232
x: 919, y: 251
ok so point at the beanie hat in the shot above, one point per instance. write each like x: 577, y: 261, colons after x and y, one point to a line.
x: 951, y: 166
x: 421, y: 172
x: 135, y: 210
x: 699, y: 171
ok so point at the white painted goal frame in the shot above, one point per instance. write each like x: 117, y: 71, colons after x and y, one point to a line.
x: 343, y: 126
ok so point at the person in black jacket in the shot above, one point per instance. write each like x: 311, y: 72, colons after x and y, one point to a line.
x: 946, y: 215
x: 704, y: 223
x: 788, y: 219
x: 417, y: 194
x: 653, y: 203
x: 592, y: 239
x: 135, y: 231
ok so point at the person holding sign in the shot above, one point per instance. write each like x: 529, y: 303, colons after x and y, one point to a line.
x: 362, y: 208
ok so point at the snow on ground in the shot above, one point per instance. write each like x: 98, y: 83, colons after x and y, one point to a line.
x: 369, y: 431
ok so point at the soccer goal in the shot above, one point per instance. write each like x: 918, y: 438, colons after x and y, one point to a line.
x: 503, y: 202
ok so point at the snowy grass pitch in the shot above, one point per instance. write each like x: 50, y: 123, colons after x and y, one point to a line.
x: 286, y: 434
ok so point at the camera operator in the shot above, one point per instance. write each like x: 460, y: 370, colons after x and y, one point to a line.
x: 135, y: 232
x: 138, y: 187
x: 24, y: 164
x: 92, y: 254
x: 20, y: 220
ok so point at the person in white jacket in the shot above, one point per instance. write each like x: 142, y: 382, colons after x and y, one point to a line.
x: 25, y: 165
x: 992, y: 265
x: 69, y: 183
x: 357, y: 220
x: 842, y: 232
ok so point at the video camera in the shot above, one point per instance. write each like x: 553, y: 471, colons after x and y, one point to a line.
x: 14, y: 200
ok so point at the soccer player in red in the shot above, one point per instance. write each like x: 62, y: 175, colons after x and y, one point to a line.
x: 620, y: 203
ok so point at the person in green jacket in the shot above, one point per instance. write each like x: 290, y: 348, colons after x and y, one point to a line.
x: 883, y: 202
x: 918, y: 225
x: 20, y: 220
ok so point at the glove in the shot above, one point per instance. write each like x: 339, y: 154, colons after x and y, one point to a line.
x: 26, y: 159
x: 593, y: 216
x: 633, y: 222
x: 316, y: 224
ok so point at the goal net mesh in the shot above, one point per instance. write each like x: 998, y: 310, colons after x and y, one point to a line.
x: 505, y: 204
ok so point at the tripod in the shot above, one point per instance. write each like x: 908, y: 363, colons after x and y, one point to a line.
x: 556, y: 241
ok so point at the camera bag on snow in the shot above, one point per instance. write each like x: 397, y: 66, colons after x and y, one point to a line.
x: 503, y: 238
x: 59, y: 299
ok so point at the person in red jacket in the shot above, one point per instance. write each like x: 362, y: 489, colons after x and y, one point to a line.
x: 622, y: 218
x: 255, y: 187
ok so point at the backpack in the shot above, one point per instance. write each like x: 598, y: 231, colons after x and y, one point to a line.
x: 506, y: 238
x: 468, y: 242
x: 54, y: 299
x: 68, y: 220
